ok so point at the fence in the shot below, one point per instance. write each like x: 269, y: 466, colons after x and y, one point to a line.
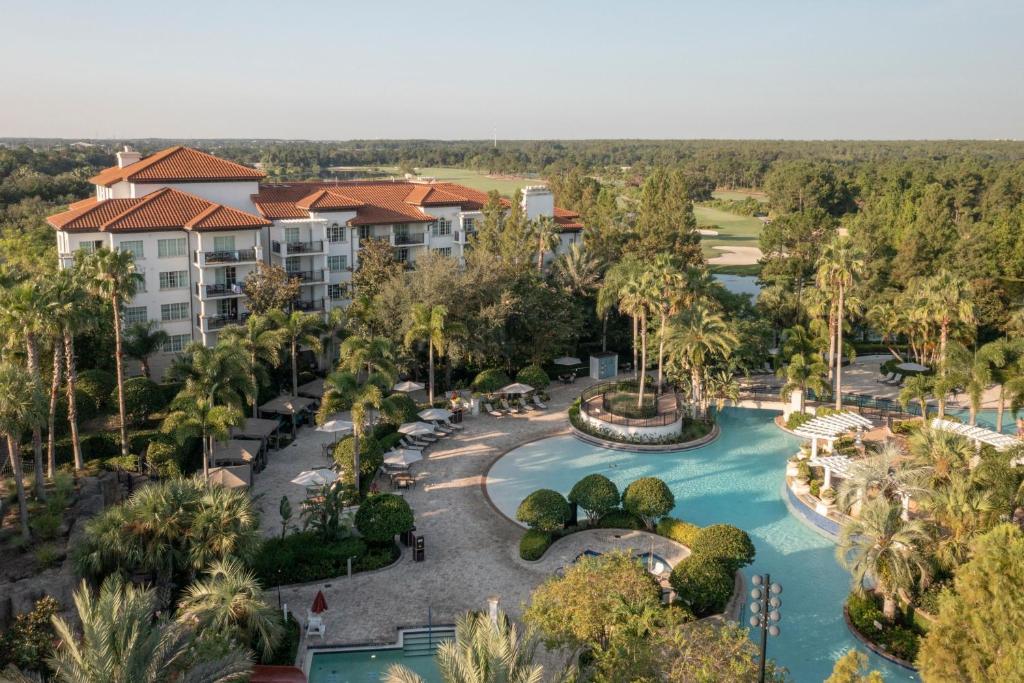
x: 869, y: 406
x: 595, y: 403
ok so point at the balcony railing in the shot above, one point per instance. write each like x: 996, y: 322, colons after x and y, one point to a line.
x: 234, y: 256
x: 403, y: 238
x: 308, y: 306
x: 307, y: 276
x: 296, y: 248
x: 215, y: 322
x: 218, y: 290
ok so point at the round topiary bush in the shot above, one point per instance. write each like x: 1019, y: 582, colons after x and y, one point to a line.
x: 544, y: 509
x: 703, y: 584
x: 380, y: 518
x: 725, y: 543
x: 534, y: 544
x: 96, y: 385
x: 596, y: 494
x: 398, y: 409
x: 142, y: 397
x: 535, y: 376
x: 371, y: 456
x: 648, y: 498
x: 162, y: 454
x: 490, y: 381
x: 678, y: 530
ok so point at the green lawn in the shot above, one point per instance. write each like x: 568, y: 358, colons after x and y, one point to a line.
x: 740, y: 195
x: 733, y: 229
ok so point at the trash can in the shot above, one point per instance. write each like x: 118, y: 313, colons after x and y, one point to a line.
x: 417, y: 553
x: 409, y: 537
x: 457, y: 416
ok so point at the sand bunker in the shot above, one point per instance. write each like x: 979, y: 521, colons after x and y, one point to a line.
x: 707, y: 233
x: 736, y: 256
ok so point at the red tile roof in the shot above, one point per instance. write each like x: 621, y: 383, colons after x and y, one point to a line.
x: 328, y: 200
x: 566, y: 220
x: 165, y: 209
x: 177, y: 164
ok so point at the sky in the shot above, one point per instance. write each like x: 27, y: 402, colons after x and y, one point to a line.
x: 779, y: 69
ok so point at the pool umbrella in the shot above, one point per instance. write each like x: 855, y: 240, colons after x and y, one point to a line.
x: 402, y: 456
x: 516, y: 388
x: 567, y: 360
x: 321, y: 477
x: 416, y: 428
x: 319, y: 603
x: 407, y: 387
x: 435, y: 414
x: 335, y: 426
x: 912, y: 367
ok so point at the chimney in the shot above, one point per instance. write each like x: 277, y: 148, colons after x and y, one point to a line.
x: 127, y: 157
x: 538, y: 201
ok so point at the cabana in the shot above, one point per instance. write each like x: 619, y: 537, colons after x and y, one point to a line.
x: 236, y: 452
x: 237, y: 477
x: 830, y: 428
x: 314, y: 389
x: 259, y: 430
x: 288, y: 406
x: 979, y: 435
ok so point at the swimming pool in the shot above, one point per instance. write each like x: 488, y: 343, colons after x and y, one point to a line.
x: 738, y: 480
x: 414, y: 650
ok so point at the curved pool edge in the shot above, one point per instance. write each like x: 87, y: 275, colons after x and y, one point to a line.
x: 486, y: 476
x: 648, y: 448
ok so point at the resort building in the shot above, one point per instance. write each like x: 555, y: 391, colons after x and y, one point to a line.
x: 197, y: 226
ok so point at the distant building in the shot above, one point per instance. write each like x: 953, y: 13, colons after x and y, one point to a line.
x: 197, y: 225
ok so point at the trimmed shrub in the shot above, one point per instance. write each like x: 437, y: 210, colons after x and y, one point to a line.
x: 490, y: 381
x: 96, y: 385
x: 390, y: 441
x: 304, y: 556
x: 534, y: 544
x: 725, y: 543
x: 142, y: 397
x: 648, y: 498
x: 544, y: 510
x: 535, y: 376
x: 382, y: 429
x: 596, y: 494
x: 704, y: 584
x: 163, y: 455
x: 620, y: 519
x: 380, y: 518
x: 677, y: 530
x: 399, y: 408
x: 797, y: 420
x: 371, y: 456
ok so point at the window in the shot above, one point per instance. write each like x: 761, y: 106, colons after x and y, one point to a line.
x: 134, y: 247
x: 336, y: 233
x: 402, y: 255
x: 336, y: 264
x: 365, y: 232
x: 292, y: 264
x: 135, y: 314
x: 176, y: 343
x: 171, y: 248
x: 90, y: 246
x: 336, y: 292
x: 291, y: 235
x: 225, y: 276
x: 173, y: 279
x: 443, y: 251
x: 441, y: 227
x: 468, y: 224
x: 169, y: 312
x: 224, y: 243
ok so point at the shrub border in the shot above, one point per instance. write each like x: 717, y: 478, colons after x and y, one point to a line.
x: 881, y: 652
x: 401, y: 559
x: 646, y: 448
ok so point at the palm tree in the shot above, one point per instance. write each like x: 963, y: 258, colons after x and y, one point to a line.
x: 429, y: 324
x: 260, y: 341
x: 947, y: 302
x: 669, y: 282
x: 1003, y: 357
x: 839, y: 267
x: 301, y: 329
x: 971, y: 370
x: 548, y: 236
x: 917, y: 388
x: 884, y: 474
x: 67, y: 306
x: 111, y: 275
x: 963, y: 512
x: 610, y: 297
x: 803, y: 372
x: 722, y: 387
x: 483, y: 651
x: 697, y: 335
x: 194, y: 414
x: 944, y: 453
x: 334, y: 328
x: 577, y: 271
x: 22, y: 406
x: 123, y: 642
x: 219, y: 373
x: 142, y: 341
x: 373, y: 355
x: 343, y: 389
x: 882, y: 548
x: 230, y: 602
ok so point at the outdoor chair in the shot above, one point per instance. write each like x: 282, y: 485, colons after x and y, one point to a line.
x: 526, y: 405
x: 315, y: 625
x: 490, y: 409
x: 442, y: 428
x: 537, y: 402
x: 887, y: 380
x: 452, y: 426
x: 507, y: 407
x: 406, y: 442
x: 899, y: 382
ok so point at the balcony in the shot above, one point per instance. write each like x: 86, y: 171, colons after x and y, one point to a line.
x: 404, y: 238
x: 308, y: 277
x: 215, y: 322
x: 209, y: 258
x: 218, y: 290
x: 297, y: 248
x: 308, y: 305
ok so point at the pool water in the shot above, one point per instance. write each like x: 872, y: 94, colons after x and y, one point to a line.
x: 737, y: 479
x: 361, y: 666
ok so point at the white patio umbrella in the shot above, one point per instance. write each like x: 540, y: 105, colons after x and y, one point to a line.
x: 321, y: 477
x: 414, y: 428
x: 912, y: 367
x: 407, y: 387
x: 516, y: 388
x: 402, y: 456
x: 335, y: 425
x: 567, y: 360
x: 435, y: 414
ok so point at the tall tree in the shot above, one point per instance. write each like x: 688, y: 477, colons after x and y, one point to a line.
x: 270, y: 288
x: 301, y: 329
x: 22, y: 406
x: 142, y: 340
x: 839, y: 267
x: 948, y: 303
x: 194, y: 414
x: 373, y: 355
x: 68, y: 307
x: 803, y: 372
x: 696, y: 336
x: 547, y: 236
x: 430, y: 325
x: 111, y: 275
x: 260, y: 342
x: 343, y: 389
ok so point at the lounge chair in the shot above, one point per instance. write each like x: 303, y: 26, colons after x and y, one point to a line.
x: 406, y: 442
x: 443, y: 429
x: 899, y: 382
x: 452, y: 426
x: 490, y: 409
x: 537, y: 402
x: 509, y: 408
x: 315, y: 625
x: 526, y: 405
x: 887, y: 380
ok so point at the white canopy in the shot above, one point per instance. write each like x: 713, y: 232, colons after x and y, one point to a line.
x: 979, y: 434
x: 912, y: 367
x: 567, y: 360
x: 407, y: 387
x: 402, y: 456
x: 335, y: 425
x: 435, y: 414
x: 516, y: 388
x: 321, y: 477
x: 832, y: 426
x: 414, y: 428
x: 840, y: 465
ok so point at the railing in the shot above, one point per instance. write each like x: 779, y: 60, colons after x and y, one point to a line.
x: 594, y: 402
x: 215, y: 290
x: 308, y: 305
x: 292, y: 248
x: 215, y: 322
x: 307, y: 276
x: 863, y: 403
x: 403, y: 238
x: 235, y: 256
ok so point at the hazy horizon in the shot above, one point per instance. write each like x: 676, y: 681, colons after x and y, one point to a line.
x: 791, y: 70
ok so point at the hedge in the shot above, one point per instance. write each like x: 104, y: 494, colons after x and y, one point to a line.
x: 142, y: 397
x: 533, y: 375
x: 648, y: 498
x: 371, y: 456
x: 380, y: 518
x: 303, y: 557
x: 399, y: 408
x: 382, y: 429
x: 620, y: 519
x: 725, y: 543
x: 544, y: 510
x: 96, y: 385
x: 534, y: 544
x: 596, y: 494
x: 677, y: 530
x: 390, y: 441
x: 897, y: 638
x: 703, y: 583
x: 489, y: 381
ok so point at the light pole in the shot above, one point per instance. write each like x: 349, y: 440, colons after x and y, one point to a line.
x: 765, y: 612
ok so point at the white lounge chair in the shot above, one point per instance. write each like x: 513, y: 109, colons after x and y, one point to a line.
x: 315, y: 625
x: 452, y: 426
x: 442, y: 428
x: 406, y: 442
x: 509, y: 408
x: 490, y: 409
x: 537, y: 402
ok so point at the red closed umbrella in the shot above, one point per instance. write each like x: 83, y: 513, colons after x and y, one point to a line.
x: 319, y: 603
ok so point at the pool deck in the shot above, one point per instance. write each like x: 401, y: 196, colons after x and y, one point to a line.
x: 565, y: 550
x: 471, y: 549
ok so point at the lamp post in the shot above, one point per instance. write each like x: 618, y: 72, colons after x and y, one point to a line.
x: 765, y: 613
